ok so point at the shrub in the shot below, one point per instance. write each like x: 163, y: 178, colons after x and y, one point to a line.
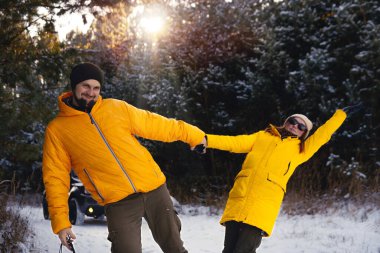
x: 14, y: 229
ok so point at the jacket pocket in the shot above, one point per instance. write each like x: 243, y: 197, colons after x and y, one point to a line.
x: 93, y: 184
x: 240, y: 188
x: 278, y: 181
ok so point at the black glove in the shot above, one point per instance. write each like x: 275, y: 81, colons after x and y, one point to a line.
x: 200, y: 149
x: 350, y: 110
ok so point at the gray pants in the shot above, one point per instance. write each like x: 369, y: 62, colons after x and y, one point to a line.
x: 124, y: 220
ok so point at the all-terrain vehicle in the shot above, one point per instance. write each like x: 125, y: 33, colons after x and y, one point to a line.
x: 80, y: 203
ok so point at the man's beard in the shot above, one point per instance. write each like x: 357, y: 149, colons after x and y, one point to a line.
x: 83, y: 105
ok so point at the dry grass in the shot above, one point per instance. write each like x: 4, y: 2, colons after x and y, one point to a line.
x: 307, y: 194
x: 14, y: 229
x: 295, y: 204
x: 205, y: 191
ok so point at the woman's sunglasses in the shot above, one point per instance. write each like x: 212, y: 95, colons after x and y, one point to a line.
x: 294, y: 122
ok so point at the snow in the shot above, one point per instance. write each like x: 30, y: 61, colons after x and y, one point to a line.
x: 342, y: 231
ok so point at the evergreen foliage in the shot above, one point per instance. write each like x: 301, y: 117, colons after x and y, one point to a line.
x: 229, y: 67
x: 33, y: 71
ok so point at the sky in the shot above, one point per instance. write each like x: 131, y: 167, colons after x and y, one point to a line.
x: 350, y: 229
x: 152, y: 21
x: 66, y: 23
x: 72, y: 21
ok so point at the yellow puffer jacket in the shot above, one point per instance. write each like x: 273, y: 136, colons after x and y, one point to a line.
x: 102, y: 149
x: 259, y: 188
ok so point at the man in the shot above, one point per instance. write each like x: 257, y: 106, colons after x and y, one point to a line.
x: 95, y: 137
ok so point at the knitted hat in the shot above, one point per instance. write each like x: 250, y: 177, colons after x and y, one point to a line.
x: 308, y: 123
x: 85, y: 71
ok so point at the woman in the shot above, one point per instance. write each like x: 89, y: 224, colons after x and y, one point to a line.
x: 272, y: 156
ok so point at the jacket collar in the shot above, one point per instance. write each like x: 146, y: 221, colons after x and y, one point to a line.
x: 274, y: 131
x: 68, y: 111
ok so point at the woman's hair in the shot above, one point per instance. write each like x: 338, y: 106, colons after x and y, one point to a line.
x: 302, y: 143
x: 285, y: 133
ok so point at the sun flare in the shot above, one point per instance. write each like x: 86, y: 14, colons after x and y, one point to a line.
x: 153, y: 24
x: 151, y: 19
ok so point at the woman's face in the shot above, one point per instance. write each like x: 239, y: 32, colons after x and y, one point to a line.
x: 296, y: 126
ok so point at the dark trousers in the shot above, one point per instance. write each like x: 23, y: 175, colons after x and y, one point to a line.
x: 124, y: 220
x: 241, y: 238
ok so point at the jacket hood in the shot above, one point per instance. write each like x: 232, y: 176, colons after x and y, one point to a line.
x: 67, y: 111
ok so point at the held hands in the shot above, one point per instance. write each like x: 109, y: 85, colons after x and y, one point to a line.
x: 66, y: 236
x: 201, y: 148
x: 350, y: 110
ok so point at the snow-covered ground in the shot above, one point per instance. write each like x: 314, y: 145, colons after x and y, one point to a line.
x: 343, y: 231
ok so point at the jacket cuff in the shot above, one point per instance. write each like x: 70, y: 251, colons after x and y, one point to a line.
x: 59, y: 223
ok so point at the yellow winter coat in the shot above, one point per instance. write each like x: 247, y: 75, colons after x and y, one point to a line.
x: 102, y: 149
x: 259, y: 188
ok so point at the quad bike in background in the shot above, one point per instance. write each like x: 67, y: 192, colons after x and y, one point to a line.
x: 80, y: 203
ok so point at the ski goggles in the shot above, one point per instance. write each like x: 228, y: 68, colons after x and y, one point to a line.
x: 294, y: 122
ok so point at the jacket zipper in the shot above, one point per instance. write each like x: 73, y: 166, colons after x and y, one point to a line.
x: 112, y: 152
x: 93, y: 184
x: 287, y: 169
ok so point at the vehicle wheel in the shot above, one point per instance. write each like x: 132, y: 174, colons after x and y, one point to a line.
x: 45, y: 209
x: 75, y: 214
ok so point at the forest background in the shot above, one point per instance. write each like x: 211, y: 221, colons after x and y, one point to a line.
x: 229, y: 67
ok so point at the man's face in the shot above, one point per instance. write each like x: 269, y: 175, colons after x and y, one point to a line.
x: 296, y: 126
x: 87, y: 90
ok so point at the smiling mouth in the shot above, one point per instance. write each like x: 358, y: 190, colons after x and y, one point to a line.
x: 88, y: 97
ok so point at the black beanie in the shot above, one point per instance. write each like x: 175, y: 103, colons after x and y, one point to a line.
x: 85, y: 71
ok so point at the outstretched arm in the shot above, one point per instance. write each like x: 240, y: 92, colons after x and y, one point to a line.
x: 322, y: 135
x: 235, y: 144
x: 153, y: 126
